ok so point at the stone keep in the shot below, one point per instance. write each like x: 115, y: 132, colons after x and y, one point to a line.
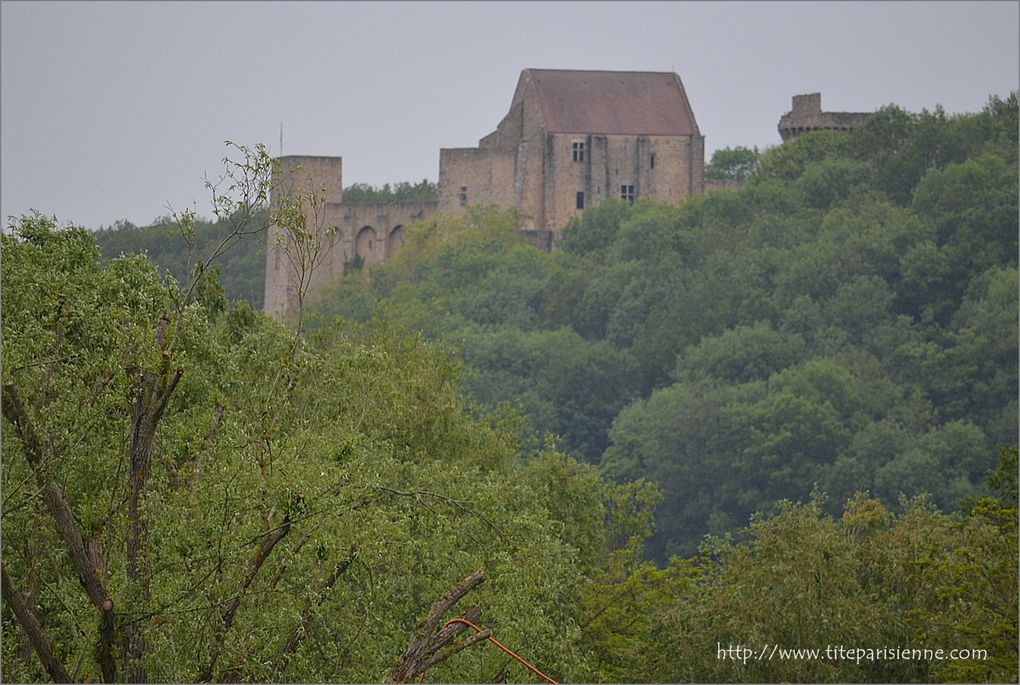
x: 574, y: 138
x: 570, y: 140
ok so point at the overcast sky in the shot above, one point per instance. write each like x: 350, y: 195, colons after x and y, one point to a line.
x: 117, y: 110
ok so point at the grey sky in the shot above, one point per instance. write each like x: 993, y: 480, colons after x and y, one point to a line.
x: 115, y: 110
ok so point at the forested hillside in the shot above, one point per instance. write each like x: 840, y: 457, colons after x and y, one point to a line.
x: 241, y: 271
x: 691, y: 441
x: 846, y: 321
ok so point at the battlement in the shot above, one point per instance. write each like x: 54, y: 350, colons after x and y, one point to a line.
x: 305, y: 174
x: 806, y: 115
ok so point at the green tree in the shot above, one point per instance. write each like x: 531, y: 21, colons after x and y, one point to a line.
x: 212, y: 495
x: 804, y: 580
x: 732, y: 164
x: 402, y: 191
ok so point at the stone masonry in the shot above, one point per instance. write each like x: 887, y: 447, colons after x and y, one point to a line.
x: 807, y: 116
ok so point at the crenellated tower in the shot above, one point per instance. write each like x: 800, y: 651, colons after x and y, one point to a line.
x: 806, y: 116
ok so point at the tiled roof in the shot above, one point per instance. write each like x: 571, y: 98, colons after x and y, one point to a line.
x: 613, y: 102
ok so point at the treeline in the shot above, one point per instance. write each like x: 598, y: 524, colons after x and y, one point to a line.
x: 194, y: 492
x: 241, y: 270
x: 401, y: 191
x: 847, y: 321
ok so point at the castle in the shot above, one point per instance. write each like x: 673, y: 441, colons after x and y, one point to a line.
x: 570, y: 140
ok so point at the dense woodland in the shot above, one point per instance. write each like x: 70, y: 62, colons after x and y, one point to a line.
x: 847, y: 320
x: 779, y: 416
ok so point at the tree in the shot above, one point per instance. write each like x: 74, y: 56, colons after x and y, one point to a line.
x: 801, y: 584
x: 732, y: 164
x: 242, y: 267
x: 402, y: 191
x: 213, y: 496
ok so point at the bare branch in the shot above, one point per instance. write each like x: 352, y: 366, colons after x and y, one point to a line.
x: 460, y: 504
x: 14, y: 411
x: 49, y: 394
x: 426, y: 641
x: 445, y: 654
x: 147, y: 409
x: 60, y: 511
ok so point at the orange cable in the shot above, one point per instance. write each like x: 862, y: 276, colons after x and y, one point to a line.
x: 495, y: 642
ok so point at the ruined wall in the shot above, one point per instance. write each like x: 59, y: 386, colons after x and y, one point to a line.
x: 806, y: 115
x: 374, y: 231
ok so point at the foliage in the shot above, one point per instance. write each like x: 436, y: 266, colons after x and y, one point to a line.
x: 732, y: 164
x: 847, y: 319
x: 351, y: 449
x: 802, y: 580
x: 424, y: 191
x: 242, y: 270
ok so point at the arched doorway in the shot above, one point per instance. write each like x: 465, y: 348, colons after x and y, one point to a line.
x: 395, y: 240
x: 364, y: 244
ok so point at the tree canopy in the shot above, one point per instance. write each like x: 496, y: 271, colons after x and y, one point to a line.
x: 847, y: 319
x: 776, y: 418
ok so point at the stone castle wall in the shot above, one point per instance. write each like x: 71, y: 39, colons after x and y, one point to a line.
x: 806, y: 115
x: 472, y: 175
x: 367, y: 231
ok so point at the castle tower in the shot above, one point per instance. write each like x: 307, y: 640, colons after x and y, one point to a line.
x: 807, y: 116
x: 300, y: 174
x: 573, y: 138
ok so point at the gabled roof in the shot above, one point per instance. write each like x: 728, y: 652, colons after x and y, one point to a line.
x: 613, y: 102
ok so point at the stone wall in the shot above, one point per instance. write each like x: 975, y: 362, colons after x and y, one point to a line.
x: 806, y: 115
x: 374, y: 231
x: 371, y: 231
x: 723, y: 184
x: 663, y: 168
x: 482, y: 175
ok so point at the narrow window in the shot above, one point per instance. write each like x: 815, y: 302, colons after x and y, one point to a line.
x: 578, y: 151
x: 627, y: 193
x: 651, y: 161
x: 463, y: 195
x: 580, y: 200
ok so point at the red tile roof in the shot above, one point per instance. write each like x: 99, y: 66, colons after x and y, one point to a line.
x: 613, y: 102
